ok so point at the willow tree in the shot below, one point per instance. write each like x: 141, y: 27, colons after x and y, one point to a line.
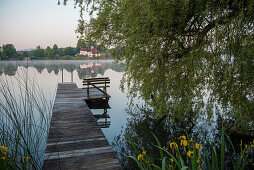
x: 180, y: 55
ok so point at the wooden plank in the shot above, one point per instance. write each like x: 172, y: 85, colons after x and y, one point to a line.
x: 100, y: 78
x: 75, y: 140
x: 91, y: 83
x: 96, y: 86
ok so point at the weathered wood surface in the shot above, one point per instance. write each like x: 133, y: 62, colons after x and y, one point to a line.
x: 100, y: 84
x: 75, y: 140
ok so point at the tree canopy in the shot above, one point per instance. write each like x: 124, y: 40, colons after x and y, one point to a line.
x: 9, y: 50
x: 181, y: 55
x: 69, y: 51
x: 55, y: 50
x: 38, y: 52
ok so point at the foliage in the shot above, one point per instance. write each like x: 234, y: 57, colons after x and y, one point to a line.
x: 48, y: 52
x: 25, y: 54
x: 9, y: 50
x: 181, y: 56
x: 2, y: 56
x: 187, y: 154
x: 39, y: 52
x: 55, y: 50
x: 142, y: 123
x: 82, y: 43
x: 69, y: 51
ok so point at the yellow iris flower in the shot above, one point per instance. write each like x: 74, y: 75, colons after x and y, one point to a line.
x: 182, y: 137
x: 173, y: 145
x: 198, y: 146
x: 184, y: 142
x: 4, y: 148
x: 189, y: 153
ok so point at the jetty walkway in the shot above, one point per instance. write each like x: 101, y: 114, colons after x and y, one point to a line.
x: 75, y: 140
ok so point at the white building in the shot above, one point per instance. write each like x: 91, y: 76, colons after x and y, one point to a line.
x: 90, y: 51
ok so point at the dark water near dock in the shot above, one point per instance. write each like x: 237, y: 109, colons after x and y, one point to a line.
x: 137, y: 120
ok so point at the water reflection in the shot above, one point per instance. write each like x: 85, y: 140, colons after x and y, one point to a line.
x: 48, y: 73
x: 102, y: 117
x: 91, y: 69
x: 139, y: 121
x: 143, y: 122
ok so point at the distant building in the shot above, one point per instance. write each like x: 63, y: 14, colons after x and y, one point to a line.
x: 90, y: 52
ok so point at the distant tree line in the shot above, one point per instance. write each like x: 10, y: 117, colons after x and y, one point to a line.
x: 54, y: 52
x: 8, y: 52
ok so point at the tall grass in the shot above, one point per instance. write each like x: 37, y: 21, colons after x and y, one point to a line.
x: 24, y: 122
x: 187, y: 154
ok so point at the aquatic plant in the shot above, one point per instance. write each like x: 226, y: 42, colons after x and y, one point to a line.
x: 186, y: 153
x: 24, y: 122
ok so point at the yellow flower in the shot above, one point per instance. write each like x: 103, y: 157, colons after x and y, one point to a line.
x: 139, y: 157
x: 189, y: 153
x: 144, y: 152
x: 246, y: 146
x: 184, y: 142
x: 191, y: 140
x: 198, y: 161
x: 4, y: 149
x: 252, y: 146
x: 173, y: 145
x: 172, y: 160
x: 182, y: 137
x: 198, y: 146
x: 164, y: 147
x: 26, y: 157
x: 3, y: 157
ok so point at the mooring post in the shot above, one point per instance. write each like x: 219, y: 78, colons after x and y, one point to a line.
x: 105, y: 88
x: 62, y: 75
x: 72, y: 76
x: 88, y: 95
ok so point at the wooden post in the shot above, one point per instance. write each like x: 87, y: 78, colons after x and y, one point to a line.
x: 105, y: 88
x: 72, y: 76
x: 88, y: 95
x: 62, y: 75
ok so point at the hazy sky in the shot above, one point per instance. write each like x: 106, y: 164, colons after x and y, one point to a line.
x: 29, y: 23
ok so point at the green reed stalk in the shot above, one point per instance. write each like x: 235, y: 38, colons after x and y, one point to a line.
x: 24, y: 122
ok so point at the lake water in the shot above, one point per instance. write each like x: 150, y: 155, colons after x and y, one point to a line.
x: 49, y: 73
x: 138, y: 121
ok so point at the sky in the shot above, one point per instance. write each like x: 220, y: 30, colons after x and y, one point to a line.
x: 29, y: 23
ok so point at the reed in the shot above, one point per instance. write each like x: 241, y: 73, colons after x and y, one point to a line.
x: 24, y: 122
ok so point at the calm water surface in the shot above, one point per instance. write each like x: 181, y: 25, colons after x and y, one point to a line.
x: 136, y: 121
x: 48, y: 74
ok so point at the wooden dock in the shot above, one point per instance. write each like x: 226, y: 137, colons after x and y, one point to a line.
x: 75, y: 140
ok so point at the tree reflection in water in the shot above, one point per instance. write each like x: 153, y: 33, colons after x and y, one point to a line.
x: 92, y: 70
x: 143, y: 122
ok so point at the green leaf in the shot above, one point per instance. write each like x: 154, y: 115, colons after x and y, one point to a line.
x: 138, y: 163
x: 163, y: 166
x: 222, y: 149
x: 159, y: 144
